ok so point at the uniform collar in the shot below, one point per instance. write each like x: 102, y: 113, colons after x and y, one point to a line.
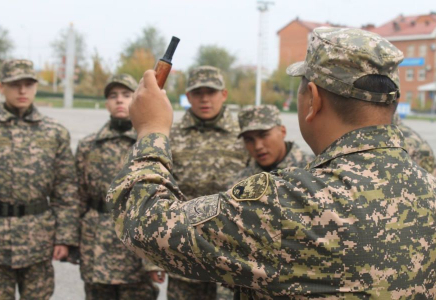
x: 362, y: 139
x: 32, y: 115
x: 223, y: 121
x: 107, y: 133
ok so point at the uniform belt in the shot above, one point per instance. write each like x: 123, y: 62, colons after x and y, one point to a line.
x: 100, y: 206
x: 21, y: 210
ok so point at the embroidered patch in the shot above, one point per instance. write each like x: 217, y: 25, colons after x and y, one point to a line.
x: 202, y: 209
x: 252, y: 188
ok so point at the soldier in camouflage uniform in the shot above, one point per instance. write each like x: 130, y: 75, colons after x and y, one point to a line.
x: 264, y: 138
x: 206, y: 153
x: 418, y: 148
x: 38, y: 190
x: 357, y: 223
x: 110, y: 271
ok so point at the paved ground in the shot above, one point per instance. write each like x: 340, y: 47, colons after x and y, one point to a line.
x: 82, y: 122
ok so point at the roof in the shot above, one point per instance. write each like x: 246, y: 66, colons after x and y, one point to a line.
x: 421, y: 25
x: 308, y: 24
x: 429, y: 87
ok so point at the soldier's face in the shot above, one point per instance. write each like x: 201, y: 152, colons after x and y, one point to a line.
x: 19, y: 94
x: 206, y: 103
x: 118, y: 101
x: 267, y: 147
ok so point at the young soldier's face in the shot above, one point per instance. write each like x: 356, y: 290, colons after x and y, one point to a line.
x: 19, y: 94
x: 118, y: 101
x: 206, y: 103
x: 267, y: 147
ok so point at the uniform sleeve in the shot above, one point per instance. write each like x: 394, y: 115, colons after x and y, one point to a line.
x: 223, y: 237
x: 63, y: 199
x: 80, y: 161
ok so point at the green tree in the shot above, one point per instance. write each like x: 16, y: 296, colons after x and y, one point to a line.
x: 215, y: 56
x: 59, y: 44
x: 6, y: 44
x: 100, y: 75
x: 150, y: 40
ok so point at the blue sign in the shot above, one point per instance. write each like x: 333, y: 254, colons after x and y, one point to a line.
x: 183, y: 100
x: 403, y: 109
x: 413, y: 62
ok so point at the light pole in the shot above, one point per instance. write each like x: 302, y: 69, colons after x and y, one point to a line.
x: 262, y: 6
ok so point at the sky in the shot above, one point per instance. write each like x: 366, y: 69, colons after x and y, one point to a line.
x: 233, y: 24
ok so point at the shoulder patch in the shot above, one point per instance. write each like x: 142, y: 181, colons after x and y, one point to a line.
x: 202, y: 209
x: 252, y: 188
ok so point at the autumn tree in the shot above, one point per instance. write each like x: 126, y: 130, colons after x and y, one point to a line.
x: 6, y: 44
x: 135, y: 65
x: 100, y: 75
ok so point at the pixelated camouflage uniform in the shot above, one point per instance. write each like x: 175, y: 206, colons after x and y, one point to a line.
x: 357, y: 223
x: 106, y: 266
x: 37, y: 166
x: 206, y: 156
x: 418, y: 148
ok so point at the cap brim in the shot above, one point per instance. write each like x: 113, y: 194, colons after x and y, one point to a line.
x: 19, y: 77
x: 297, y: 69
x: 208, y: 85
x: 258, y: 127
x: 111, y: 84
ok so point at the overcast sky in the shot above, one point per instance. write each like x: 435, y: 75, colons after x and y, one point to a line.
x: 108, y: 25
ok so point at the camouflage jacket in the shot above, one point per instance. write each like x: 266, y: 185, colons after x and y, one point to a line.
x: 418, y: 148
x: 206, y: 156
x: 36, y: 165
x: 357, y: 223
x: 103, y: 258
x: 294, y: 158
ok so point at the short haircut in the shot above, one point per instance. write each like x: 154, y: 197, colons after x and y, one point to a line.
x: 353, y: 111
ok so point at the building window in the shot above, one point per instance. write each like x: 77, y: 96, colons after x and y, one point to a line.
x: 421, y: 74
x: 422, y: 50
x: 409, y: 75
x: 411, y: 51
x: 409, y: 97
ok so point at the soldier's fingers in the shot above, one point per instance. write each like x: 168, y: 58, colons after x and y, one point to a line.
x: 150, y: 81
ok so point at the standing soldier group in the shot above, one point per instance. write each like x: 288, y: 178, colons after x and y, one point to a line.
x: 337, y: 226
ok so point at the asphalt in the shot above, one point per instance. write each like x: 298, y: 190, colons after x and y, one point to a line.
x: 81, y: 122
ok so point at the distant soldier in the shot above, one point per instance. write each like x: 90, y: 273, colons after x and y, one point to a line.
x: 38, y: 189
x: 418, y: 148
x: 358, y: 222
x: 109, y: 269
x: 264, y: 138
x: 206, y: 155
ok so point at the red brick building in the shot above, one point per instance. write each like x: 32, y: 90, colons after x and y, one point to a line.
x: 293, y: 40
x: 416, y: 37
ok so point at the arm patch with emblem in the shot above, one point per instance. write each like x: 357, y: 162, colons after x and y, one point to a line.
x: 252, y: 188
x: 202, y: 209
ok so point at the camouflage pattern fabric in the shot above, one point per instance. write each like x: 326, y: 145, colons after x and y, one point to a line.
x: 357, y: 223
x: 205, y: 76
x: 36, y: 164
x: 294, y: 158
x: 142, y: 291
x: 103, y: 258
x: 124, y: 79
x: 180, y: 289
x: 262, y: 117
x: 337, y: 57
x: 34, y: 282
x: 17, y: 69
x: 418, y: 148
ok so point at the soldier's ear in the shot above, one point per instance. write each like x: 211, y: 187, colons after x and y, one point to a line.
x: 315, y: 101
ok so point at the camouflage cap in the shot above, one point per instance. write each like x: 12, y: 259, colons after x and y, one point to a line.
x: 123, y: 79
x: 205, y: 76
x: 17, y: 69
x: 263, y: 117
x: 337, y: 57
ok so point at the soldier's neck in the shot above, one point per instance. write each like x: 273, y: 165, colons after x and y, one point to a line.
x: 19, y: 112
